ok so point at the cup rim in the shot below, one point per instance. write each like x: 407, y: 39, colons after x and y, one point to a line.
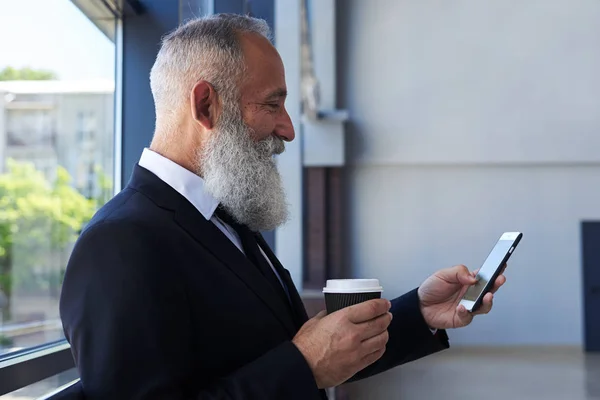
x: 353, y: 291
x: 342, y: 286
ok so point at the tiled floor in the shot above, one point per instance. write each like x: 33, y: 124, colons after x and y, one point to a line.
x: 465, y: 374
x: 489, y: 374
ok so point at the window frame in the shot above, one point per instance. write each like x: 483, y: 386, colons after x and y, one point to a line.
x: 28, y: 366
x: 25, y: 367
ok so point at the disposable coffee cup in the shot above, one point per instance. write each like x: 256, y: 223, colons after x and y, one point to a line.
x: 341, y: 293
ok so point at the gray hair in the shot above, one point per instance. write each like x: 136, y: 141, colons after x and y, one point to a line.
x: 206, y: 48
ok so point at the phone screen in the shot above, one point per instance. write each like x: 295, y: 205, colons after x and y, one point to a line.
x: 488, y: 268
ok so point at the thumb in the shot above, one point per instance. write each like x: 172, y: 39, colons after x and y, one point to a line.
x: 461, y: 274
x: 320, y: 315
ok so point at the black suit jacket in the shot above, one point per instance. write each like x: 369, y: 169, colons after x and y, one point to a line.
x: 158, y: 304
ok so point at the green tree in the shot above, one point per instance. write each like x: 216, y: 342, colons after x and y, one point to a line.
x: 105, y: 186
x: 38, y: 220
x: 26, y: 74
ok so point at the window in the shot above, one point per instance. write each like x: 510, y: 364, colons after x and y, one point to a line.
x: 28, y: 127
x: 86, y: 126
x: 56, y: 156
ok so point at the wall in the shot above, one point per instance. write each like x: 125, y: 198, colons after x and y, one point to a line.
x: 468, y: 119
x: 426, y: 218
x: 141, y: 36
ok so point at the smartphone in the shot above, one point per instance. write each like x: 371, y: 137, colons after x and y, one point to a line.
x: 490, y: 270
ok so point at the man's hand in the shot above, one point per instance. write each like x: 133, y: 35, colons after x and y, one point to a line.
x: 338, y: 345
x: 441, y: 293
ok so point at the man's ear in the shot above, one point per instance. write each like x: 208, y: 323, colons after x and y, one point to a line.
x: 205, y: 104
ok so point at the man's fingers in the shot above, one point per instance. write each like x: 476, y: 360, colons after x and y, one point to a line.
x: 464, y: 316
x: 374, y: 343
x: 486, y: 304
x: 367, y: 310
x: 501, y: 280
x: 375, y: 326
x: 371, y: 358
x: 320, y: 315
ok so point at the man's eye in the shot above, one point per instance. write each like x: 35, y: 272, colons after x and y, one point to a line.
x: 273, y: 106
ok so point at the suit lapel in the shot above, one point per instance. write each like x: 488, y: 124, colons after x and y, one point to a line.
x: 223, y: 249
x: 210, y: 237
x: 297, y: 303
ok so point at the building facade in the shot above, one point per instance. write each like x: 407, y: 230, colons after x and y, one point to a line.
x: 60, y: 123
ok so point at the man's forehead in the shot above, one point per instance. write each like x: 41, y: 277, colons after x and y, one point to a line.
x: 264, y: 67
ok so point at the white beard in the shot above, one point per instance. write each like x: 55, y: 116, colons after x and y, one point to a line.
x: 242, y: 174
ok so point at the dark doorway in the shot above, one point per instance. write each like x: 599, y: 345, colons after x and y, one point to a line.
x: 590, y: 234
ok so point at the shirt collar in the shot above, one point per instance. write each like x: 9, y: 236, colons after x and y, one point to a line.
x: 186, y: 183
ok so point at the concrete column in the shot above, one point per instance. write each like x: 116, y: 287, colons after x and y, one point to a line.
x: 289, y: 238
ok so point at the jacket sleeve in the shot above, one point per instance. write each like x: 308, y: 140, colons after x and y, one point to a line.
x: 410, y: 337
x: 126, y: 314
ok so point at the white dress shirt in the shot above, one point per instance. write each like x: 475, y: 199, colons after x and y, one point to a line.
x: 191, y: 186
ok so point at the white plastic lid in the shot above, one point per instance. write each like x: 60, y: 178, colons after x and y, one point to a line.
x: 352, y: 286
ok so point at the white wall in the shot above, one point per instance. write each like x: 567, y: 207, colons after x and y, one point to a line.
x: 409, y: 222
x: 471, y: 118
x: 473, y: 81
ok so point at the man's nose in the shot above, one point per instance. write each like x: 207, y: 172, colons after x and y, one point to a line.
x: 284, y: 128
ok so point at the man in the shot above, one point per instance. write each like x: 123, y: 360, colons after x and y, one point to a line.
x: 171, y: 294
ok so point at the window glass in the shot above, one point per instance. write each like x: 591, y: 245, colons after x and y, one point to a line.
x: 56, y: 155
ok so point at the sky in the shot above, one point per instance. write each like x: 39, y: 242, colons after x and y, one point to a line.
x: 54, y: 35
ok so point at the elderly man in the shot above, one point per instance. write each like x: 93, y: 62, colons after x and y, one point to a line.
x: 170, y: 292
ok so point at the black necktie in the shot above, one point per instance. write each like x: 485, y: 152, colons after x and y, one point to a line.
x: 252, y: 250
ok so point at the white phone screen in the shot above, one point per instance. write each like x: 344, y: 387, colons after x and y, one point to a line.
x: 488, y: 268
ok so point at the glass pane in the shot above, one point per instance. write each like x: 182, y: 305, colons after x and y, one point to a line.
x: 42, y: 388
x: 190, y: 9
x: 56, y: 154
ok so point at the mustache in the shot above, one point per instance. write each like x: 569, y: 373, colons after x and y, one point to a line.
x: 279, y: 145
x: 271, y: 146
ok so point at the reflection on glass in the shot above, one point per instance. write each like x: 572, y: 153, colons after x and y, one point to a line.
x: 56, y: 157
